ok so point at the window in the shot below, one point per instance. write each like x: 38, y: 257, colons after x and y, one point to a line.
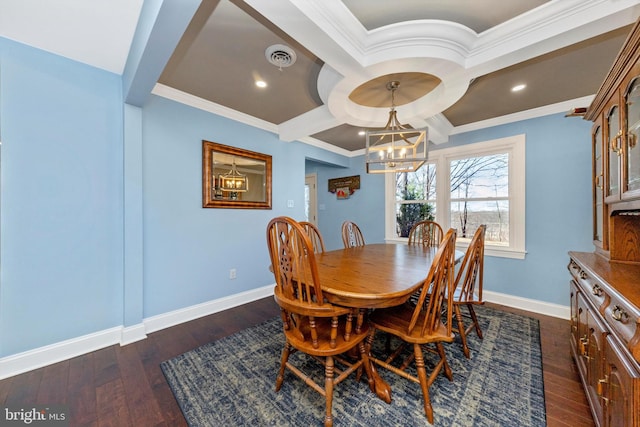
x: 481, y: 183
x: 415, y: 198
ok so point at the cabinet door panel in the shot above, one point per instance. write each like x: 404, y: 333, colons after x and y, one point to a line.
x: 582, y: 334
x: 619, y: 379
x: 599, y: 227
x: 595, y: 362
x: 613, y: 152
x: 631, y: 125
x: 632, y: 149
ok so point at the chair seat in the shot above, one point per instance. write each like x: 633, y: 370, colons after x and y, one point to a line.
x: 323, y: 326
x: 395, y: 320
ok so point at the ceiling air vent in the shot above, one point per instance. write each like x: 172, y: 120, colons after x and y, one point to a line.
x: 280, y: 55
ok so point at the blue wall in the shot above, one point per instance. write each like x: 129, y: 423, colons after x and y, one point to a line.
x: 558, y: 206
x: 188, y: 250
x: 365, y: 207
x: 61, y: 199
x: 62, y: 210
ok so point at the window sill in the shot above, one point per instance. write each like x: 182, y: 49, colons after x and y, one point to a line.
x: 489, y: 250
x: 496, y: 251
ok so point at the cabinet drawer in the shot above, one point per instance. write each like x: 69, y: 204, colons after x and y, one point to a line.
x: 590, y: 287
x: 623, y: 319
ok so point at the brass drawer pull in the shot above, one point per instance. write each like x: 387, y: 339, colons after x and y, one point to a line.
x: 619, y: 314
x: 596, y: 290
x: 583, y: 344
x: 583, y: 275
x: 600, y: 386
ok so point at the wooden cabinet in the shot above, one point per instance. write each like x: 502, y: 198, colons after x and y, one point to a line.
x: 615, y: 112
x: 605, y: 336
x: 605, y: 284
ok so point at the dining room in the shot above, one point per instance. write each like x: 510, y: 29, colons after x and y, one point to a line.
x: 111, y: 264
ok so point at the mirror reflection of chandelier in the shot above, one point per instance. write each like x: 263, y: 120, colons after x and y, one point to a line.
x: 233, y: 180
x: 396, y: 148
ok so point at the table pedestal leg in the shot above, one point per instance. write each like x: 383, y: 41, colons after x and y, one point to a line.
x: 381, y: 388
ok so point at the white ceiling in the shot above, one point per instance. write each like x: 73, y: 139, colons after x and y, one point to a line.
x: 94, y: 32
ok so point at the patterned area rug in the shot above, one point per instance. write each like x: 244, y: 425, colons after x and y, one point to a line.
x: 230, y: 382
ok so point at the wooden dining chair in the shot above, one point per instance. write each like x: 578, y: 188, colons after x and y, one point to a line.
x: 422, y: 325
x: 314, y: 236
x: 351, y: 235
x: 426, y: 233
x: 312, y: 325
x: 468, y: 287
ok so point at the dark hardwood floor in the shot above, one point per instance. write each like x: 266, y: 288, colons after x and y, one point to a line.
x: 124, y: 386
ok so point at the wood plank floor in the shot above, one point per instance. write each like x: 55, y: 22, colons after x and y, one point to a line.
x: 124, y: 386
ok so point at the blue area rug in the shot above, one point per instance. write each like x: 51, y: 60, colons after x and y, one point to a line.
x: 231, y: 382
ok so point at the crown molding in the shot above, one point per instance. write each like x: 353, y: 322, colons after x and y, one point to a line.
x: 533, y: 113
x: 211, y: 107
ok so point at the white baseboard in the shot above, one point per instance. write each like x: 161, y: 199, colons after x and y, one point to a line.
x: 64, y: 350
x: 53, y: 353
x: 177, y: 317
x: 131, y: 334
x: 541, y: 307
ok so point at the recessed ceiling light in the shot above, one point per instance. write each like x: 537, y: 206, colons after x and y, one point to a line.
x: 518, y: 88
x: 261, y: 83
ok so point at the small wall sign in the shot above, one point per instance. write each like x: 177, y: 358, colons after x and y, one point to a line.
x: 344, y: 187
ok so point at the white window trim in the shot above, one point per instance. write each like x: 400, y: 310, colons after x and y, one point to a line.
x: 515, y: 147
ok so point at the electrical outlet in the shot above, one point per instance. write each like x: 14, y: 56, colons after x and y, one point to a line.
x: 232, y: 273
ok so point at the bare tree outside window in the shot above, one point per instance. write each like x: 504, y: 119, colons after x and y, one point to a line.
x: 480, y: 195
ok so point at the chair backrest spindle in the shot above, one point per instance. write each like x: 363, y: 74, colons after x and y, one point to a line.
x: 351, y: 235
x: 437, y: 290
x: 471, y: 271
x: 314, y: 236
x: 426, y: 233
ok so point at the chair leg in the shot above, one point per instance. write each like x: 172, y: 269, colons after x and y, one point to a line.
x: 472, y: 312
x: 445, y: 364
x: 462, y: 331
x: 424, y: 385
x: 328, y: 388
x: 283, y: 364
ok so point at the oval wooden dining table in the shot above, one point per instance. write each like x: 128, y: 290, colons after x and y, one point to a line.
x: 375, y: 276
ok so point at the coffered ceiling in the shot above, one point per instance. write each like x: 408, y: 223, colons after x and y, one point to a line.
x: 456, y: 60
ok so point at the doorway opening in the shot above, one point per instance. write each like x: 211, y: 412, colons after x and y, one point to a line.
x: 311, y: 198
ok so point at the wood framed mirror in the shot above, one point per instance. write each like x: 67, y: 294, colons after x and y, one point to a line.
x: 234, y: 178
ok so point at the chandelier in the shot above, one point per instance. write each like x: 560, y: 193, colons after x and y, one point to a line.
x: 396, y: 148
x: 233, y: 180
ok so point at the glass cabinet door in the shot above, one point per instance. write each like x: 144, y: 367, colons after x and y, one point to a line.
x: 613, y: 143
x: 632, y: 150
x: 598, y: 183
